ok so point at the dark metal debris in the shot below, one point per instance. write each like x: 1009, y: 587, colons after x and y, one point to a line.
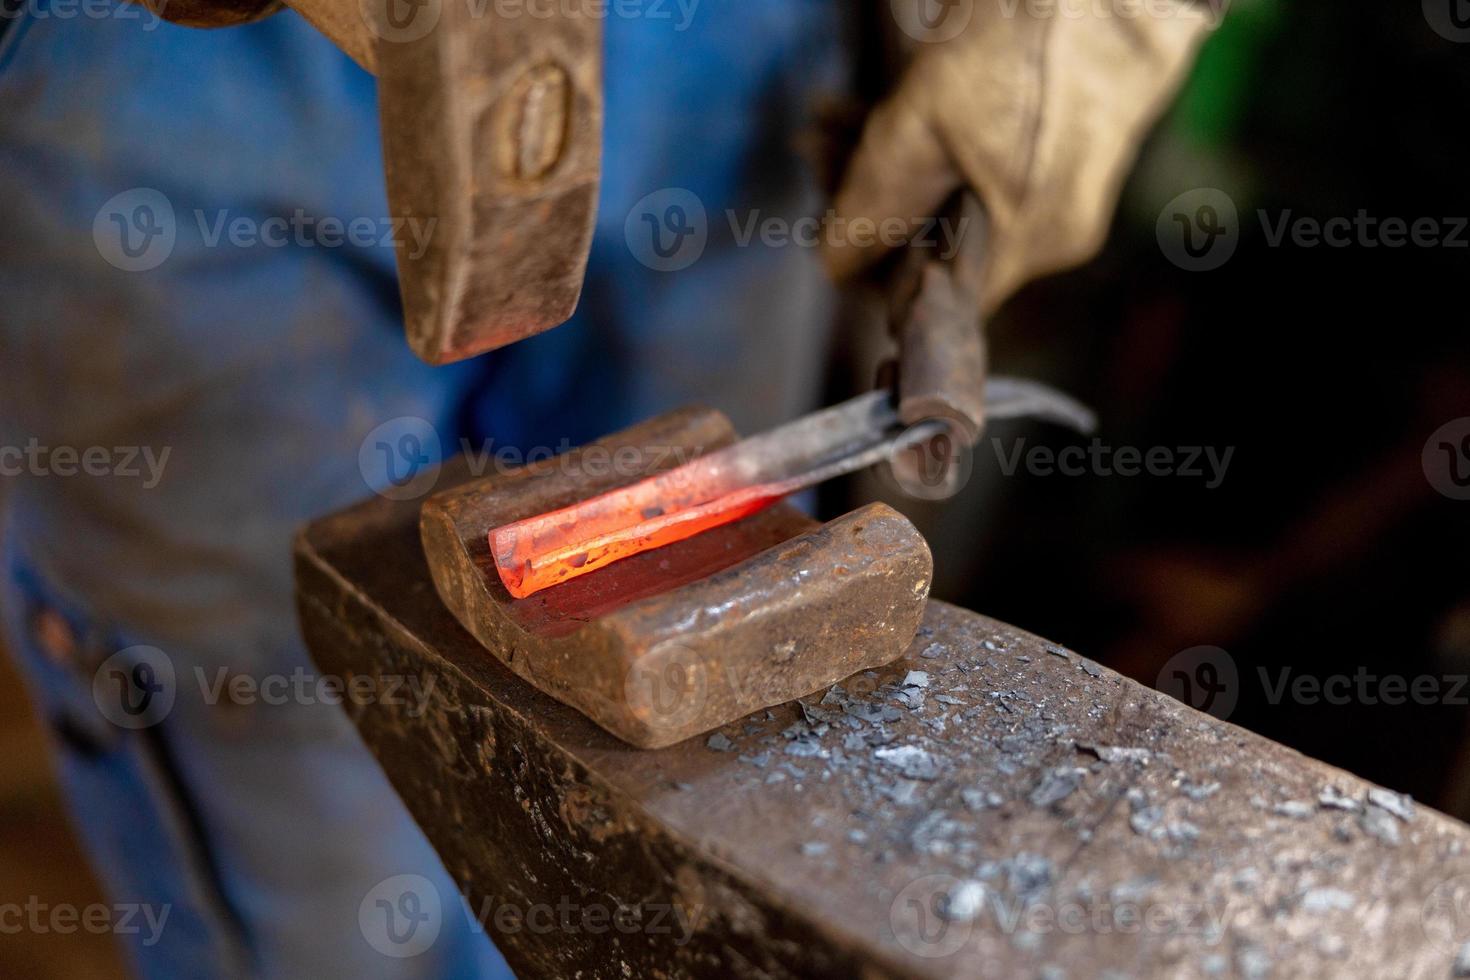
x: 1332, y: 799
x: 913, y: 761
x: 1397, y: 804
x: 1057, y: 785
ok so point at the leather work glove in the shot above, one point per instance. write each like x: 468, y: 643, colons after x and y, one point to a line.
x: 1038, y: 105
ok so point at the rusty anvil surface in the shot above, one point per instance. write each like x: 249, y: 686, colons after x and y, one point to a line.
x: 1036, y: 797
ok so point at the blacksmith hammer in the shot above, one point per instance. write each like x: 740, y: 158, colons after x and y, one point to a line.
x: 492, y: 127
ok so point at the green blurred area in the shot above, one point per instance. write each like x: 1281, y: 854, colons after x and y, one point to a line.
x: 1210, y: 109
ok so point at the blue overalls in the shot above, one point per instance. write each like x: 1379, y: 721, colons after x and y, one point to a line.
x: 195, y: 352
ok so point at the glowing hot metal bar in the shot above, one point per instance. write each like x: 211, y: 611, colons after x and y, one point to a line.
x: 731, y: 483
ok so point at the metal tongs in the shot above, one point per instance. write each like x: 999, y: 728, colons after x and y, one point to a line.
x: 936, y: 412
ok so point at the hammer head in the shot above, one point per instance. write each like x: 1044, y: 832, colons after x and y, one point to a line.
x: 492, y: 140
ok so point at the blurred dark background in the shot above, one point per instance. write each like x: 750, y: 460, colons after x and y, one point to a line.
x: 1325, y: 550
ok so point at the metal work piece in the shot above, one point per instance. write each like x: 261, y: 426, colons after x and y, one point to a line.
x: 673, y: 642
x: 991, y: 805
x: 724, y: 485
x: 712, y: 490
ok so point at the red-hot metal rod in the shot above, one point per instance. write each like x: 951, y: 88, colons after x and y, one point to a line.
x: 709, y: 491
x: 731, y: 483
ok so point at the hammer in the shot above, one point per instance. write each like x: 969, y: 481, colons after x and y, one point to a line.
x: 492, y: 128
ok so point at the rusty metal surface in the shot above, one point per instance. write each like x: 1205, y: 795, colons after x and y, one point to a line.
x: 942, y: 358
x: 677, y: 641
x: 894, y: 826
x: 492, y: 129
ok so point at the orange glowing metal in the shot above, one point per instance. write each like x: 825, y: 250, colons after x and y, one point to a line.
x: 728, y: 484
x: 715, y: 489
x: 543, y: 551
